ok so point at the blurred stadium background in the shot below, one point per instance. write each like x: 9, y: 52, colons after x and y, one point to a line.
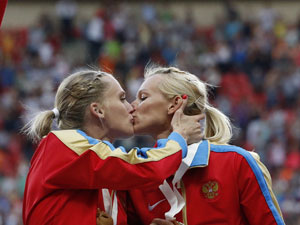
x: 249, y: 49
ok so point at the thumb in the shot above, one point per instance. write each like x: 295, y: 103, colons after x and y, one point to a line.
x: 199, y: 117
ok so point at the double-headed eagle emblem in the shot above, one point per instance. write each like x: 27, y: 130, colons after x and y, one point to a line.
x: 210, y: 189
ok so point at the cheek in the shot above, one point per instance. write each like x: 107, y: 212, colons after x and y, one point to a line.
x: 121, y: 108
x: 144, y: 109
x: 152, y: 112
x: 118, y: 113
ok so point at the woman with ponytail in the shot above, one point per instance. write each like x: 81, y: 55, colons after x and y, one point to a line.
x: 217, y: 183
x: 75, y: 169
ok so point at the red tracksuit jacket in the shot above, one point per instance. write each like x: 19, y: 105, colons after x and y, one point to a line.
x: 68, y: 169
x: 224, y: 185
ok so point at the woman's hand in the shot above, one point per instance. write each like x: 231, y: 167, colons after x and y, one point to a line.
x: 188, y: 126
x: 103, y: 218
x: 195, y: 136
x: 164, y: 222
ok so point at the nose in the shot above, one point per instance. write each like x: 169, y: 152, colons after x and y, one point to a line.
x: 134, y: 104
x: 130, y: 109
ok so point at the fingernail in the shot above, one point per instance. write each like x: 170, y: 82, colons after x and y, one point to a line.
x: 184, y: 96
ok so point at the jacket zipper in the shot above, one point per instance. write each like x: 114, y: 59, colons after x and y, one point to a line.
x: 184, y: 215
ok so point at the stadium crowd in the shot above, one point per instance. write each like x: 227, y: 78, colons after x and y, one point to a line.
x: 254, y: 64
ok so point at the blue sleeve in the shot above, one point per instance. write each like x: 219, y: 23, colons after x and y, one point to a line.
x: 181, y: 141
x: 161, y: 143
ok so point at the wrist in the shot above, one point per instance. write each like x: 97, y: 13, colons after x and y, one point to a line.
x: 181, y: 132
x: 180, y: 140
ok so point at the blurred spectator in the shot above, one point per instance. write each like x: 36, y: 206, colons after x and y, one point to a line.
x: 267, y: 16
x: 95, y: 36
x: 66, y: 11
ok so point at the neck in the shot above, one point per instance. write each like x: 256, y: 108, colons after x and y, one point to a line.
x: 163, y: 134
x: 97, y: 133
x: 164, y: 130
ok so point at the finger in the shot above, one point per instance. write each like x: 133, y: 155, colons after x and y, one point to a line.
x: 158, y: 221
x: 198, y: 117
x: 104, y: 214
x: 184, y: 102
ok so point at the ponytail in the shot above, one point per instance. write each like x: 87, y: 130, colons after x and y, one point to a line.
x: 39, y: 126
x: 218, y: 128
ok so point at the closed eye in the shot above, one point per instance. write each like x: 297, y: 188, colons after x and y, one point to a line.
x: 123, y: 97
x: 143, y: 97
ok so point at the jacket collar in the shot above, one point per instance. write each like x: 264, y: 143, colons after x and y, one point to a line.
x: 201, y: 157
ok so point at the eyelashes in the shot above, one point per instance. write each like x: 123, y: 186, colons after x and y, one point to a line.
x: 143, y: 97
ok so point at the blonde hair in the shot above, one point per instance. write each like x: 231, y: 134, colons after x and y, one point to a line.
x: 177, y: 82
x: 73, y: 96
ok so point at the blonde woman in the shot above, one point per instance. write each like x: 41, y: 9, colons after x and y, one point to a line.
x: 216, y: 183
x: 73, y: 163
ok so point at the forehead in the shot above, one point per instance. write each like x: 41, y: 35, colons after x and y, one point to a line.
x: 151, y: 83
x: 113, y: 86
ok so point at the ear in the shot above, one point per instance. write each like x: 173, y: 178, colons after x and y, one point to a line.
x: 174, y: 105
x: 96, y: 110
